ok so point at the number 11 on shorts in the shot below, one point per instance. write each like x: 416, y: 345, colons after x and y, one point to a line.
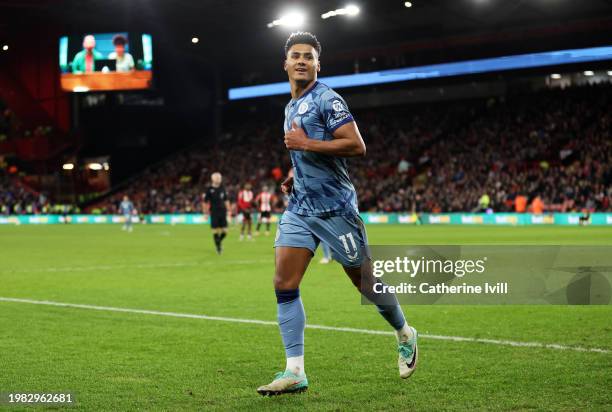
x: 343, y: 238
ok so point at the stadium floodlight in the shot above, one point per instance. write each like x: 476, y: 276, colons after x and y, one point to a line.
x: 609, y: 72
x: 408, y: 4
x: 94, y: 166
x: 350, y: 10
x: 5, y: 47
x: 293, y: 19
x: 106, y: 166
x: 68, y: 166
x: 555, y: 76
x: 588, y: 73
x: 195, y: 40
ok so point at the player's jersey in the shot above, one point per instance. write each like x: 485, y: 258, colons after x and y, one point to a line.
x: 321, y: 183
x: 216, y: 196
x: 245, y: 199
x: 264, y: 201
x: 126, y: 207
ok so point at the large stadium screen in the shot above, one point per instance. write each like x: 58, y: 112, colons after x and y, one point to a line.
x: 106, y: 61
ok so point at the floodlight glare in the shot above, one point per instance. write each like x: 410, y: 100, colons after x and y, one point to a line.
x: 589, y: 73
x: 293, y: 19
x: 555, y: 76
x: 350, y: 10
x: 5, y: 47
x: 68, y: 166
x: 408, y: 4
x: 195, y: 40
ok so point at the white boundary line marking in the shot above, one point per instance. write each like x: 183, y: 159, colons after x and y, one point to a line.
x: 133, y: 266
x: 320, y: 327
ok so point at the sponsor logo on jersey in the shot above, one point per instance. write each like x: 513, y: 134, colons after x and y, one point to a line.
x: 339, y: 113
x: 338, y: 106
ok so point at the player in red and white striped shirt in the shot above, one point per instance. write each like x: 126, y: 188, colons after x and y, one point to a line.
x: 245, y: 206
x: 264, y: 205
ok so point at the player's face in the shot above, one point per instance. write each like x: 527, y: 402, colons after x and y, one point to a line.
x: 302, y: 63
x: 89, y: 42
x: 119, y: 49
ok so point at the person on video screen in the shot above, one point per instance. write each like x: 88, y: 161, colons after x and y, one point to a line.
x: 85, y: 60
x: 125, y: 61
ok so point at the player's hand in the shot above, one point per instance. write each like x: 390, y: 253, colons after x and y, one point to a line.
x: 296, y: 139
x: 287, y: 185
x: 229, y: 218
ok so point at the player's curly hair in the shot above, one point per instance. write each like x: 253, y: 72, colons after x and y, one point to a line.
x: 303, y: 37
x: 119, y: 40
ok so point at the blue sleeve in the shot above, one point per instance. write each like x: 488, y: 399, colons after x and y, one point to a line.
x: 334, y: 110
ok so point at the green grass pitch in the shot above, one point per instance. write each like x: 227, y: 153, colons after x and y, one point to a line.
x: 129, y: 361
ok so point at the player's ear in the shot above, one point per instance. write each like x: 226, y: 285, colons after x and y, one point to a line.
x: 285, y: 65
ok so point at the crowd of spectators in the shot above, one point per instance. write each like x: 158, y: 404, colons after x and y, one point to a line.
x: 176, y: 186
x: 552, y: 147
x: 15, y: 196
x: 555, y: 145
x: 17, y: 199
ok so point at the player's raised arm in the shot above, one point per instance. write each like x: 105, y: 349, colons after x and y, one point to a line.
x: 347, y: 141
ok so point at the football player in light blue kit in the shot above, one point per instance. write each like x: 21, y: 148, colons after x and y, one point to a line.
x: 321, y: 134
x: 126, y: 208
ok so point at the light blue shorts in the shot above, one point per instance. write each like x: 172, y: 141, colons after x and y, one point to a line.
x: 345, y: 235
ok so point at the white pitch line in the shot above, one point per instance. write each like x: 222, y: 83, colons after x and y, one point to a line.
x: 99, y: 268
x: 320, y: 327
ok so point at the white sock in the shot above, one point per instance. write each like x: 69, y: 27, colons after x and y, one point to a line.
x: 404, y: 333
x: 295, y: 364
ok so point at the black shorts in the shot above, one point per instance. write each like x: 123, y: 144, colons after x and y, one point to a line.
x: 246, y: 214
x: 265, y: 215
x: 218, y: 221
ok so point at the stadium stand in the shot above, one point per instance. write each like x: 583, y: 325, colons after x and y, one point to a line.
x: 551, y: 146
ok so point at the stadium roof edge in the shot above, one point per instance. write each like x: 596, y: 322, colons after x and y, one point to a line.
x: 514, y: 62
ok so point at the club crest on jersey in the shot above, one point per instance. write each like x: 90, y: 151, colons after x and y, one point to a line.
x: 303, y: 108
x: 338, y: 106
